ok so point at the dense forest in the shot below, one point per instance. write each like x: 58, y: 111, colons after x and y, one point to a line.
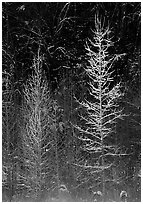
x: 71, y: 101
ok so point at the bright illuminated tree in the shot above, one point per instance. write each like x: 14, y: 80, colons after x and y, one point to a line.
x: 101, y: 107
x: 39, y: 134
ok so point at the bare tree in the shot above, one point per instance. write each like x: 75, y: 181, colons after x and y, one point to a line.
x: 101, y: 107
x: 39, y: 134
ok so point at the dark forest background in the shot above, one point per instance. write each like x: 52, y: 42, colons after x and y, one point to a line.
x: 57, y: 34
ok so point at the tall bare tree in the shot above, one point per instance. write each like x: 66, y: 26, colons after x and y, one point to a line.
x: 39, y: 134
x: 101, y: 107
